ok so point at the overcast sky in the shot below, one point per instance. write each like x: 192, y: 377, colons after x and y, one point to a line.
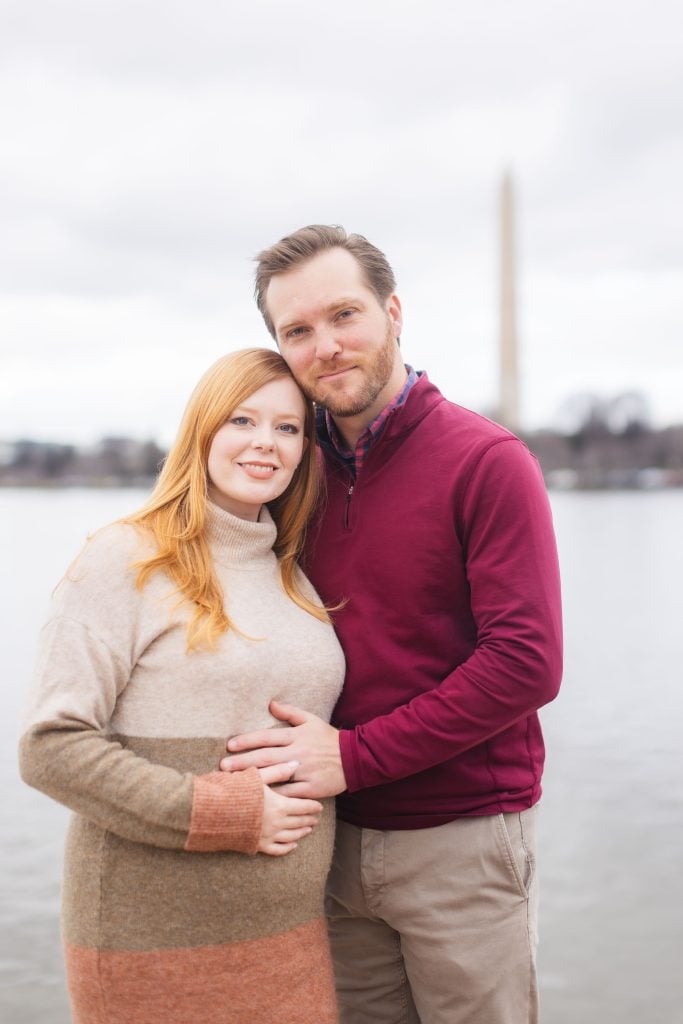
x: 150, y: 148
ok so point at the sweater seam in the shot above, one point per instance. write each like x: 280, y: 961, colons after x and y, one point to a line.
x: 480, y: 458
x: 100, y: 936
x: 61, y: 617
x: 528, y: 752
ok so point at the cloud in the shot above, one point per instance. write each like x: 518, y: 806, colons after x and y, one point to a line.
x: 151, y: 149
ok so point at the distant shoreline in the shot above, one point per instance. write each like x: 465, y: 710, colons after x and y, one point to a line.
x: 593, y: 457
x: 85, y: 483
x: 560, y: 480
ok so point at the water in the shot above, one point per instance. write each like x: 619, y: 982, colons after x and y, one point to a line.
x: 612, y: 812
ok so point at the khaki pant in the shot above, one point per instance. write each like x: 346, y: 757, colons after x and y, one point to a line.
x: 437, y: 925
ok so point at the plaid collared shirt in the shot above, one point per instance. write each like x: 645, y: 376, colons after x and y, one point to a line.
x: 354, y: 459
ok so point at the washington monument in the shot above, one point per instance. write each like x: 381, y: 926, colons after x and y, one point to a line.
x: 508, y: 407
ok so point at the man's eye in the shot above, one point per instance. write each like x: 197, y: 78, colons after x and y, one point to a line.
x: 296, y: 332
x: 345, y: 314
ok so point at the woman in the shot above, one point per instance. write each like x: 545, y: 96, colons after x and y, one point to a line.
x: 174, y: 629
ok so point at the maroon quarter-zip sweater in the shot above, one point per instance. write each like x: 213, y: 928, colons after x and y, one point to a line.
x: 443, y: 549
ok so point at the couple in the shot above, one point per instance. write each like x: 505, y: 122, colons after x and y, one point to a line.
x: 432, y: 552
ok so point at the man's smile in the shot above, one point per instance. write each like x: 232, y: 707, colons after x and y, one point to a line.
x: 334, y: 374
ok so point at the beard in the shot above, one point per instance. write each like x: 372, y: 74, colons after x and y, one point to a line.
x: 376, y: 375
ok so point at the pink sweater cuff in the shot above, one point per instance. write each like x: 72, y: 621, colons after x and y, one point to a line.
x: 227, y: 812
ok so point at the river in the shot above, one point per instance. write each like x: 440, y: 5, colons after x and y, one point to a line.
x: 611, y: 824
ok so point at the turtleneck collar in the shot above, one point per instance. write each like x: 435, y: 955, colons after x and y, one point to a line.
x: 239, y: 542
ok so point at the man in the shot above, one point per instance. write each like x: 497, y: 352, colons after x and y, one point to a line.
x: 437, y: 536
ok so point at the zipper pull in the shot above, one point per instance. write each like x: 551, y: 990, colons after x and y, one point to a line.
x: 349, y: 493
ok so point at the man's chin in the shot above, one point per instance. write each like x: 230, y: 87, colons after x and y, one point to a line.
x: 340, y: 404
x: 345, y: 412
x: 345, y: 404
x: 342, y: 412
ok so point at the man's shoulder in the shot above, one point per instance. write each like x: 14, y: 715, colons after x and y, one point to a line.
x: 443, y: 414
x: 467, y: 419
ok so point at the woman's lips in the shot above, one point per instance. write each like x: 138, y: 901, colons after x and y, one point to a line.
x: 262, y: 470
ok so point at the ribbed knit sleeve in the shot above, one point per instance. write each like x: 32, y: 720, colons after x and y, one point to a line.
x: 223, y: 812
x: 65, y: 752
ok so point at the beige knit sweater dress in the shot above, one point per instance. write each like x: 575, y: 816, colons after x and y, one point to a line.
x: 169, y: 915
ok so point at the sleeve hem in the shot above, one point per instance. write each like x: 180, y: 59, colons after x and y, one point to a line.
x: 349, y: 759
x: 227, y: 812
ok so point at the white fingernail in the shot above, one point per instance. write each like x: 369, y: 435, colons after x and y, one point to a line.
x: 294, y: 764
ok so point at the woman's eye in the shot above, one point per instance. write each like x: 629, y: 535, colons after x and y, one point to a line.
x: 239, y: 421
x: 289, y: 428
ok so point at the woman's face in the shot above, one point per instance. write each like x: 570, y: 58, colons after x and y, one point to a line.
x: 254, y: 454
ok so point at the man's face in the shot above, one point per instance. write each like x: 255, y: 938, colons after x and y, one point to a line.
x: 338, y: 339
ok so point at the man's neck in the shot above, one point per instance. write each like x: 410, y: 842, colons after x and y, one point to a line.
x: 351, y: 428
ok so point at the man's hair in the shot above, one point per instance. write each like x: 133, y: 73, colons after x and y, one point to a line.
x: 304, y: 244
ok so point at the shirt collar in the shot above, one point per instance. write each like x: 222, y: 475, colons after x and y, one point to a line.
x: 373, y: 429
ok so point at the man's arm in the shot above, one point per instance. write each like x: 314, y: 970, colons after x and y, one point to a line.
x: 515, y: 668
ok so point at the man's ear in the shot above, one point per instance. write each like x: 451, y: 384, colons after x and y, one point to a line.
x: 395, y: 314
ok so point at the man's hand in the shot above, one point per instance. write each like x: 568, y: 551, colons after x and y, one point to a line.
x: 310, y: 741
x: 286, y: 819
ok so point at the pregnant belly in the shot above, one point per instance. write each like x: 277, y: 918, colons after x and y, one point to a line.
x: 124, y: 895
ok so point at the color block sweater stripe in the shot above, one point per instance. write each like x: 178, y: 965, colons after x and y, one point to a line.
x: 127, y: 729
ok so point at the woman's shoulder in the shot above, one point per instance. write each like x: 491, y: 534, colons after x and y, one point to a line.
x: 104, y: 569
x: 116, y: 546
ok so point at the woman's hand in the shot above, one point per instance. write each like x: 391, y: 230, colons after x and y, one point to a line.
x: 286, y: 819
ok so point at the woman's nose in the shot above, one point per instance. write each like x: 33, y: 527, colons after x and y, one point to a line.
x: 264, y: 442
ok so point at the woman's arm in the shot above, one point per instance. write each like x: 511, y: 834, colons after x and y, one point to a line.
x: 65, y: 752
x: 99, y: 629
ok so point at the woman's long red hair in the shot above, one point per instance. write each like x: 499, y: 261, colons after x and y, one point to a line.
x: 175, y: 514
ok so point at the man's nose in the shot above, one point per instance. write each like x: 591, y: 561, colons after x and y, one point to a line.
x: 327, y: 346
